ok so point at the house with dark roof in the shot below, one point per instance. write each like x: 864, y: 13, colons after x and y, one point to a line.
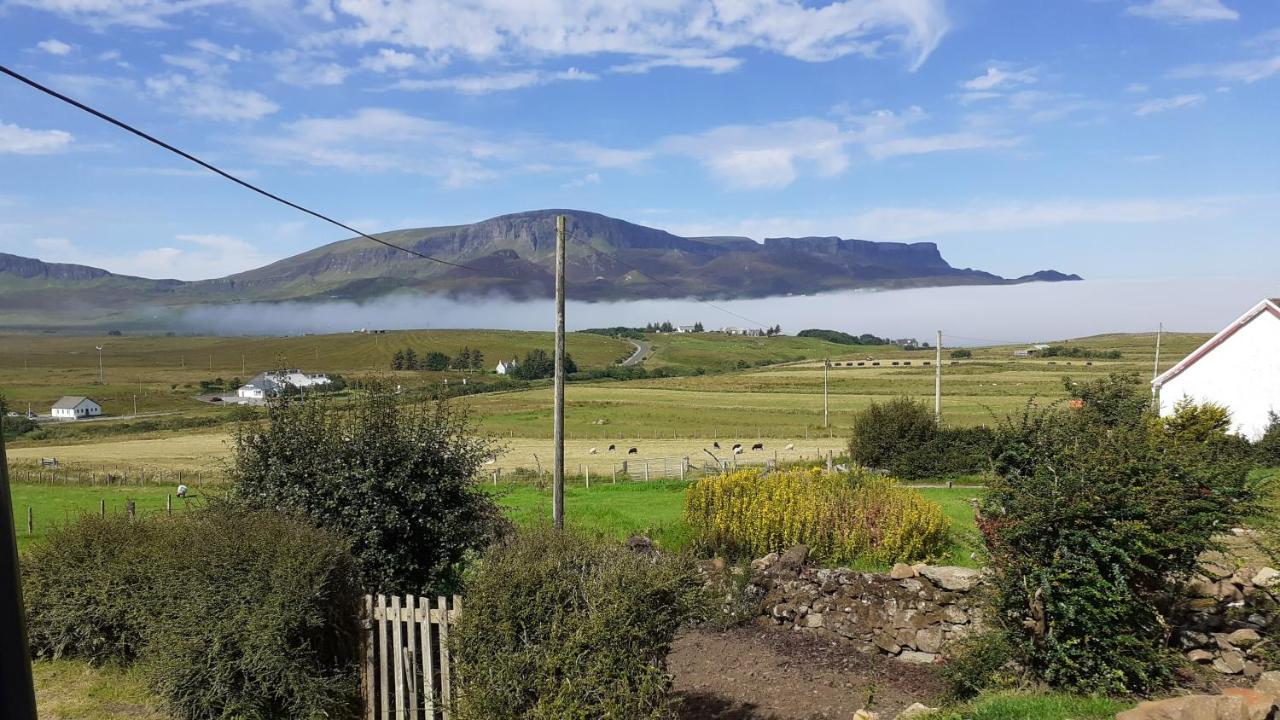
x: 75, y: 407
x: 1239, y: 369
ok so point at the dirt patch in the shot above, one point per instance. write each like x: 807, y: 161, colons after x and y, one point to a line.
x: 755, y: 673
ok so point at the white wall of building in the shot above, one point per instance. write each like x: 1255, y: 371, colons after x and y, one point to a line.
x: 1242, y: 374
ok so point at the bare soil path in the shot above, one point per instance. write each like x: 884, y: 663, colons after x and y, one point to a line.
x: 755, y: 673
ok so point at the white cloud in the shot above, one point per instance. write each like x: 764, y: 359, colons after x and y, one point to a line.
x: 190, y: 257
x: 1246, y: 71
x: 649, y: 29
x: 766, y: 156
x: 1184, y: 10
x: 132, y: 13
x: 716, y: 65
x: 1137, y: 88
x: 995, y: 77
x: 23, y: 141
x: 588, y: 179
x: 388, y: 59
x: 205, y: 98
x: 940, y: 143
x: 499, y: 82
x: 1157, y: 105
x: 54, y: 46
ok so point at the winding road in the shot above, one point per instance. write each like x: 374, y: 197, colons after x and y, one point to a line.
x: 642, y: 352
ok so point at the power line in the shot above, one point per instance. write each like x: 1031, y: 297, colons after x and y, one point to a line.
x: 214, y: 169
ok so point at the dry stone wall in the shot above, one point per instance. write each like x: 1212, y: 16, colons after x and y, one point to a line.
x: 911, y: 612
x: 1228, y: 617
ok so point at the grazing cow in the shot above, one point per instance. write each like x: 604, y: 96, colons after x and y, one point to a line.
x: 716, y: 445
x: 737, y: 448
x: 612, y: 448
x: 758, y: 446
x: 633, y: 451
x: 790, y: 446
x: 593, y: 451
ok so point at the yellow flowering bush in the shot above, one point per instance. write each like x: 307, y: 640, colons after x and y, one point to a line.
x: 842, y: 518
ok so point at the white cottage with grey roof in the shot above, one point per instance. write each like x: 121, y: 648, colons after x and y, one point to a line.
x: 75, y: 407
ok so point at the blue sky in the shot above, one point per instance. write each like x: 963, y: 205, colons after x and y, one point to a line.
x: 1121, y: 139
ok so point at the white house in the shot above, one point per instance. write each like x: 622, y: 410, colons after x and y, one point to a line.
x: 74, y: 407
x: 686, y: 328
x: 270, y: 384
x: 1239, y: 368
x: 505, y: 368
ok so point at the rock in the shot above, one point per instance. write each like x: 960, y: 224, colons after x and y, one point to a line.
x: 1244, y: 638
x: 1200, y: 656
x: 929, y: 640
x: 1252, y: 670
x: 793, y: 558
x: 902, y: 571
x: 814, y: 620
x: 765, y: 562
x: 1215, y: 571
x: 717, y: 564
x: 1201, y: 587
x: 916, y: 710
x: 1269, y: 683
x: 951, y: 578
x: 1230, y: 662
x: 865, y: 715
x: 1267, y: 577
x: 918, y: 658
x: 641, y: 544
x: 1257, y: 706
x: 1228, y: 591
x: 1188, y: 707
x: 955, y: 615
x: 1191, y: 639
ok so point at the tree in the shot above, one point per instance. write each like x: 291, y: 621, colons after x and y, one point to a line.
x: 397, y: 360
x: 435, y: 360
x: 667, y: 326
x: 961, y: 354
x: 396, y: 480
x: 697, y: 327
x: 477, y: 359
x: 538, y: 365
x: 463, y: 359
x: 410, y: 359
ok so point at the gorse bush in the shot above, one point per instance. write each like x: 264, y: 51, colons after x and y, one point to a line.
x: 561, y: 627
x: 903, y: 438
x: 843, y: 519
x: 397, y: 480
x: 230, y: 614
x: 1093, y: 517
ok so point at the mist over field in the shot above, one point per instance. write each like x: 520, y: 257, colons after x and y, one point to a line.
x: 973, y: 315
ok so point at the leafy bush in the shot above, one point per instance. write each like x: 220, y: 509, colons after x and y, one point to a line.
x: 902, y: 437
x: 230, y: 614
x: 843, y: 338
x: 538, y: 365
x: 961, y: 354
x: 398, y: 480
x: 1267, y: 449
x: 977, y: 663
x: 560, y: 626
x: 1093, y: 517
x: 843, y: 519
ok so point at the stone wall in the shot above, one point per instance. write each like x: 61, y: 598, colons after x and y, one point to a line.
x: 911, y: 612
x: 1227, y: 617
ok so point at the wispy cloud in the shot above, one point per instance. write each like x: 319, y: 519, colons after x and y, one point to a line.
x: 1158, y: 105
x: 54, y: 46
x: 1184, y: 11
x: 188, y: 257
x: 1243, y: 71
x: 24, y: 141
x: 997, y: 77
x: 499, y: 82
x: 766, y: 156
x: 946, y: 142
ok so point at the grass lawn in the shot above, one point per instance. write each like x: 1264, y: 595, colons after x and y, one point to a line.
x: 1025, y: 706
x: 52, y: 504
x: 74, y: 690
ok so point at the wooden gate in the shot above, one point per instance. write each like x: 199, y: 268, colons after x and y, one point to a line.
x: 408, y: 673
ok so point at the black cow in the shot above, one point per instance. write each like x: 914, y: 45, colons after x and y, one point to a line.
x: 612, y: 448
x: 737, y: 447
x: 758, y: 446
x: 633, y: 451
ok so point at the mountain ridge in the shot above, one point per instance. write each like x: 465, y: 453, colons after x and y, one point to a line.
x: 513, y: 255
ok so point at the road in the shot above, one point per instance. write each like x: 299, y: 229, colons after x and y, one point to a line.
x: 642, y: 352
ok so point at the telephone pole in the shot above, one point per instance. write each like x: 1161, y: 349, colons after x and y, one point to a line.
x: 937, y: 382
x: 101, y: 378
x: 15, y: 655
x: 557, y: 491
x: 826, y: 363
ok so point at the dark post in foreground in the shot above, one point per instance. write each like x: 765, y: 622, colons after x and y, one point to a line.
x: 17, y: 694
x: 557, y: 496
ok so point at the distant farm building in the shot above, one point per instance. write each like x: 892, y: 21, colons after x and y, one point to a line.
x: 686, y: 328
x: 730, y: 330
x: 1239, y: 369
x: 75, y: 407
x: 506, y: 367
x: 270, y: 384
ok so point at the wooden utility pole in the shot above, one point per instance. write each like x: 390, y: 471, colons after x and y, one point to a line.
x: 15, y: 655
x: 937, y: 382
x: 557, y: 490
x: 826, y: 364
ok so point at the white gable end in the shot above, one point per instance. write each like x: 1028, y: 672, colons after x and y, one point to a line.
x: 1240, y: 371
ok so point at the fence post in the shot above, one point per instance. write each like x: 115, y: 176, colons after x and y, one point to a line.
x: 587, y: 473
x: 102, y: 507
x: 168, y: 504
x: 646, y: 471
x: 131, y: 507
x: 30, y: 521
x: 683, y: 463
x: 366, y: 677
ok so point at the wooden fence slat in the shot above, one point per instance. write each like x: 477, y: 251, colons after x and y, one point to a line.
x: 429, y: 666
x: 383, y: 694
x: 397, y: 656
x: 457, y: 610
x: 411, y: 654
x: 446, y: 693
x: 367, y: 680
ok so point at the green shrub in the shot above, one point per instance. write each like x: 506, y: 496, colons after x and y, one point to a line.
x: 961, y: 354
x: 977, y: 663
x: 843, y: 519
x: 1267, y: 449
x: 398, y: 480
x: 561, y: 627
x: 1091, y: 520
x: 229, y: 614
x: 902, y: 437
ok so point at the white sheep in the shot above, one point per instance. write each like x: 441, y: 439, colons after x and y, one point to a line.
x: 182, y: 491
x: 593, y: 451
x: 790, y: 446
